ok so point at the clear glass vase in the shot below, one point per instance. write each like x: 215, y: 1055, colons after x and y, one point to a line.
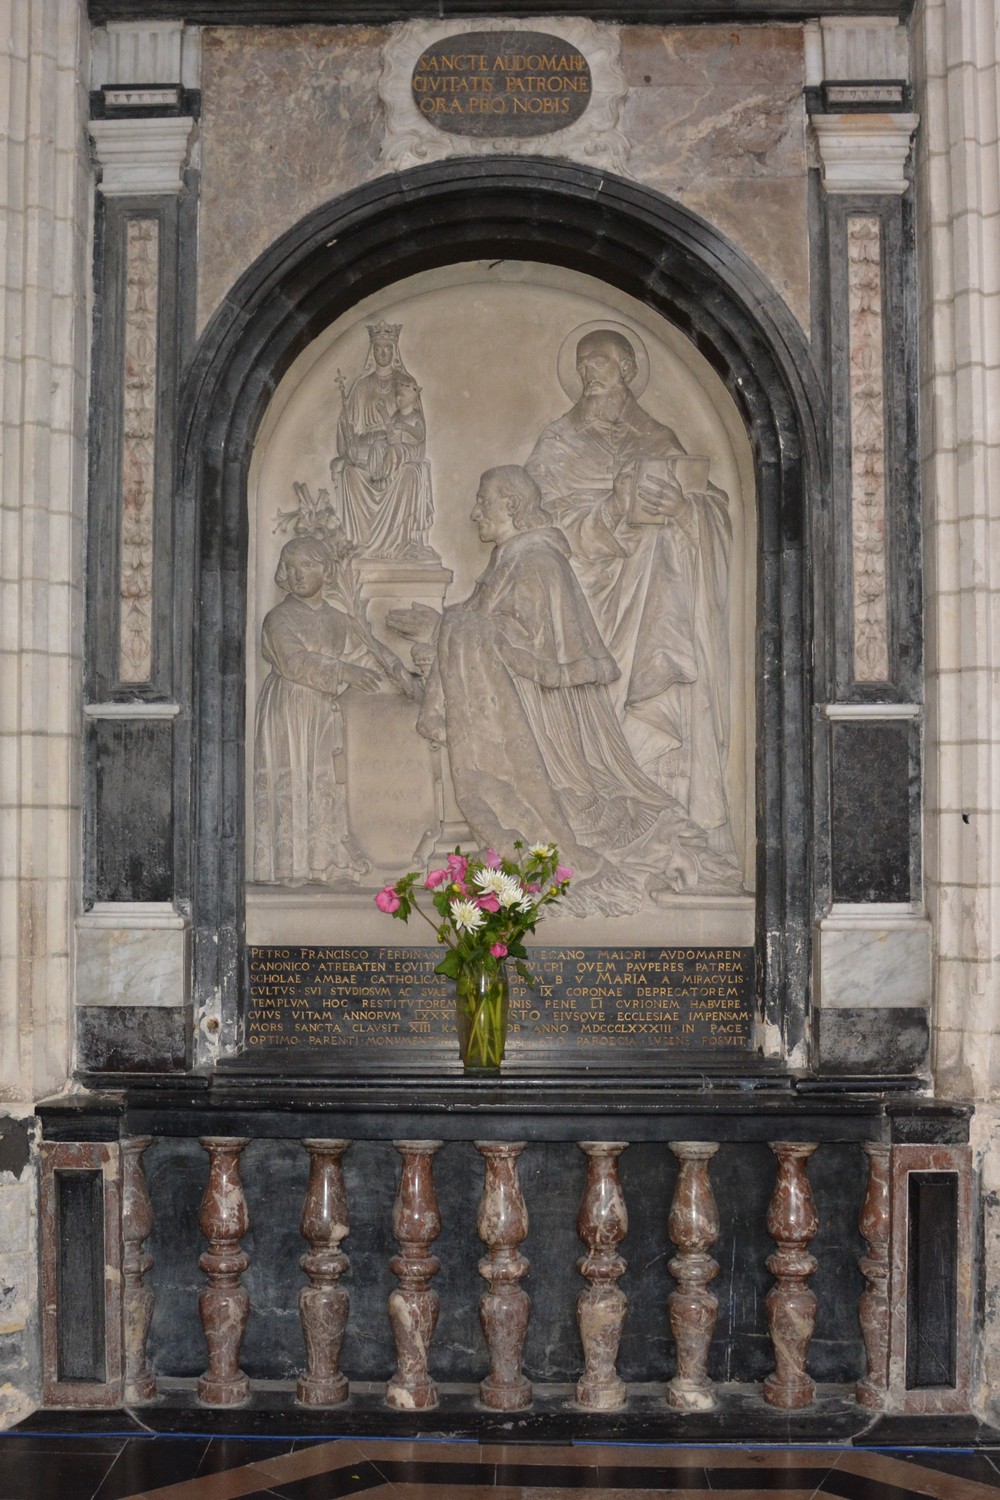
x: 481, y: 1004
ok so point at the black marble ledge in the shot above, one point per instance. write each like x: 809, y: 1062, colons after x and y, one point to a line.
x: 344, y: 12
x: 501, y: 1109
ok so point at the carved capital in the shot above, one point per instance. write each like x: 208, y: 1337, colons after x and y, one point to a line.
x: 861, y: 153
x: 142, y: 156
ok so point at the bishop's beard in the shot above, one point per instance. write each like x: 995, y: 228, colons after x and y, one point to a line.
x: 603, y: 406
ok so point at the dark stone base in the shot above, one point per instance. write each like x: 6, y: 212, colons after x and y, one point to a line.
x: 742, y: 1417
x: 874, y: 1040
x: 131, y: 1038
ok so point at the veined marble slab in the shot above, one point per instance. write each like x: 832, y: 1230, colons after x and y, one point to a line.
x: 873, y: 962
x: 141, y: 960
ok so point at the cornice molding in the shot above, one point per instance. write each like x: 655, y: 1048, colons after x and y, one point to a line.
x: 387, y: 12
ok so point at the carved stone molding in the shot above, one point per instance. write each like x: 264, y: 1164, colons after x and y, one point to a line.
x: 867, y: 402
x: 138, y: 473
x: 142, y: 156
x: 602, y: 1224
x: 864, y: 153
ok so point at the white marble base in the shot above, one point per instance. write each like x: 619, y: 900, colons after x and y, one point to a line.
x: 132, y: 954
x: 316, y: 916
x: 874, y: 960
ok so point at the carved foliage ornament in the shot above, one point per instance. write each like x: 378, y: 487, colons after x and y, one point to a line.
x: 867, y: 404
x: 138, y: 451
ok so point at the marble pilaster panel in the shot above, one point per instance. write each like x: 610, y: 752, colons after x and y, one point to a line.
x: 80, y: 1226
x: 950, y: 1303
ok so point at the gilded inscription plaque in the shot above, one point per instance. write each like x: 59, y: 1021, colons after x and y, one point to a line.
x: 387, y: 1005
x: 510, y: 83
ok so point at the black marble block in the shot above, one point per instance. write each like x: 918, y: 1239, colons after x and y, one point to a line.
x: 131, y: 1038
x: 886, y: 1039
x: 131, y: 847
x: 871, y: 811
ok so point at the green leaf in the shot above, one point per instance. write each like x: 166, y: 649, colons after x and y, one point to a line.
x: 450, y: 965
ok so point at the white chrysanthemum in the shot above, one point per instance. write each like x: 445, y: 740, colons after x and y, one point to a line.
x: 526, y: 902
x: 490, y: 880
x: 466, y: 915
x: 541, y: 851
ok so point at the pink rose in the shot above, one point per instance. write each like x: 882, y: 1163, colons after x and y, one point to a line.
x: 534, y: 888
x: 492, y: 860
x: 499, y: 950
x: 387, y: 900
x: 563, y: 872
x: 457, y: 865
x: 488, y: 902
x: 434, y: 878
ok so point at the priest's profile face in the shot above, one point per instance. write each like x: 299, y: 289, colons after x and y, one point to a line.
x: 491, y: 512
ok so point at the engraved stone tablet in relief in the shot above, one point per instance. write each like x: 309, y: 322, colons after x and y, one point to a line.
x: 381, y: 475
x: 594, y: 136
x: 504, y: 736
x: 650, y: 538
x: 520, y: 683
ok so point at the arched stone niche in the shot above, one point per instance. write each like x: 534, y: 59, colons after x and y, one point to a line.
x: 492, y: 349
x: 548, y: 252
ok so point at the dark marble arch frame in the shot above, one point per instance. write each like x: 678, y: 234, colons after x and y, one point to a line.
x: 628, y: 236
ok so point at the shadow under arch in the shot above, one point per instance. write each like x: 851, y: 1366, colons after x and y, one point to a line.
x: 525, y: 209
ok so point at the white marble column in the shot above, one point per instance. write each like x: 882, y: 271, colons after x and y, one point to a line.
x: 44, y: 166
x: 957, y: 73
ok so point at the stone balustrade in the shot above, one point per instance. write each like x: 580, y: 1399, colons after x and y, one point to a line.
x: 345, y: 1268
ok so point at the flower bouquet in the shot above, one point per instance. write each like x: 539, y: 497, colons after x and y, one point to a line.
x: 485, y: 906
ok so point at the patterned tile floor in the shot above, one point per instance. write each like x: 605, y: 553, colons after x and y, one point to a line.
x: 108, y: 1467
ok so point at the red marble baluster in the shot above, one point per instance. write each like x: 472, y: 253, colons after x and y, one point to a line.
x: 413, y: 1306
x: 137, y: 1297
x: 224, y: 1304
x: 791, y: 1306
x: 504, y: 1308
x: 873, y: 1309
x: 323, y: 1304
x: 602, y: 1224
x: 693, y: 1226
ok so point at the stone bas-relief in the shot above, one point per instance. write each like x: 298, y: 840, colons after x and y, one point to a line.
x: 382, y: 482
x: 544, y: 651
x: 315, y: 651
x: 519, y: 693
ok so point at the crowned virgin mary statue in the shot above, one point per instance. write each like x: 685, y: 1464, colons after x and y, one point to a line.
x: 381, y: 471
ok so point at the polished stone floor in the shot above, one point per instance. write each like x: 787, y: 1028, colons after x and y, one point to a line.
x: 106, y: 1466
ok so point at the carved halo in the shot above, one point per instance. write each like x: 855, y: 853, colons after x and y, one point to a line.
x: 566, y: 365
